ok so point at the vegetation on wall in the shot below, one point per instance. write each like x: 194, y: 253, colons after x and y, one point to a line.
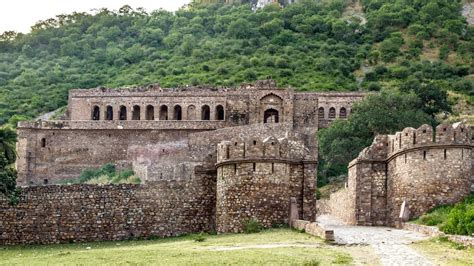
x: 106, y: 174
x: 7, y: 158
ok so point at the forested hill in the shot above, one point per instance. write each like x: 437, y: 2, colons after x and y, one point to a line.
x: 419, y: 45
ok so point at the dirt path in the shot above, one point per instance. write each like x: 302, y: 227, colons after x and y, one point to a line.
x: 391, y: 245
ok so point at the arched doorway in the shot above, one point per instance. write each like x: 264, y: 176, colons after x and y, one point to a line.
x: 271, y: 116
x: 109, y: 113
x: 150, y: 112
x: 220, y: 112
x: 123, y: 113
x: 205, y: 112
x: 96, y: 113
x: 163, y: 112
x: 271, y: 109
x: 178, y: 114
x: 136, y: 112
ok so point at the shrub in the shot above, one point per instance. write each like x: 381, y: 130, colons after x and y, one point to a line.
x: 456, y: 219
x: 252, y: 226
x: 199, y: 237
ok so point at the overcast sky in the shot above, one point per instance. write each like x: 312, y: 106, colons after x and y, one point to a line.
x: 20, y: 15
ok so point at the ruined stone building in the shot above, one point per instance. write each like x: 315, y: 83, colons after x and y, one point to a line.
x: 415, y: 168
x: 213, y: 159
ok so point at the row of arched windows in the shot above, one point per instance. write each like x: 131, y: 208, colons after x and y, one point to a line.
x: 177, y: 114
x: 332, y: 113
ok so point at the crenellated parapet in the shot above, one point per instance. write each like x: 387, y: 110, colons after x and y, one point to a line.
x: 385, y: 147
x: 257, y: 176
x: 261, y: 149
x: 422, y: 168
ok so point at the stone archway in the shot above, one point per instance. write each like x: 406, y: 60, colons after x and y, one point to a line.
x: 271, y: 109
x: 271, y: 116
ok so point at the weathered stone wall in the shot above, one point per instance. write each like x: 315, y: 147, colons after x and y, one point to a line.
x: 434, y: 174
x: 47, y: 156
x: 256, y: 179
x: 341, y: 204
x: 152, y: 128
x: 54, y: 214
x: 416, y: 166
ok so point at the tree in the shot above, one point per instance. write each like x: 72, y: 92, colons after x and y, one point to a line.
x: 383, y: 113
x: 7, y: 158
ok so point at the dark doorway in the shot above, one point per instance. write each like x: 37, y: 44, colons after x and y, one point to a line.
x: 136, y: 112
x: 96, y: 113
x: 178, y: 114
x: 123, y: 113
x: 271, y: 116
x: 220, y: 112
x: 109, y: 113
x: 205, y: 113
x: 150, y: 112
x: 164, y: 112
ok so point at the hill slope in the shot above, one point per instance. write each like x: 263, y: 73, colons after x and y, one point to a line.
x: 310, y: 45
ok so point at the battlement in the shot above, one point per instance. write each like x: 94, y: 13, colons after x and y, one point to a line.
x: 261, y: 149
x: 424, y: 137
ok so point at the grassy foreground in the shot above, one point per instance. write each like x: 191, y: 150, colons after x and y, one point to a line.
x: 276, y: 246
x: 445, y: 252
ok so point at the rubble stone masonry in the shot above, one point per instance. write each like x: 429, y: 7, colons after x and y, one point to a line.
x: 62, y: 214
x: 422, y: 167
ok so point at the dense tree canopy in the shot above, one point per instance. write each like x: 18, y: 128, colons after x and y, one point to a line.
x: 311, y: 45
x: 383, y: 113
x: 7, y: 158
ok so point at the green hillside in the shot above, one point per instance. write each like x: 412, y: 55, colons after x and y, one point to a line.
x: 415, y: 45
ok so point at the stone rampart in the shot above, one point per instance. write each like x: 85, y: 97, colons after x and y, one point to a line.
x: 422, y: 167
x: 62, y: 214
x: 256, y: 179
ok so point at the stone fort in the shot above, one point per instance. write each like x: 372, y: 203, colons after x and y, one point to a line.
x: 211, y: 159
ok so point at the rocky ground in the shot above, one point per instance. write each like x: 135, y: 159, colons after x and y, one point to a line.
x: 392, y: 246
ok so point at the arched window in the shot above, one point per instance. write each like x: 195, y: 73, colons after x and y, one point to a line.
x: 191, y: 115
x: 150, y: 112
x: 109, y: 113
x: 123, y: 113
x: 321, y: 113
x: 219, y: 112
x: 95, y: 113
x: 136, y: 112
x: 163, y: 112
x: 270, y: 116
x: 205, y: 112
x: 178, y: 114
x: 342, y: 113
x: 332, y: 112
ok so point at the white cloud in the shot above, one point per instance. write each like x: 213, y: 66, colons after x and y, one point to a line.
x: 20, y: 15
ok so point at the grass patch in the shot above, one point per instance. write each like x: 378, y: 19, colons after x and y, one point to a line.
x: 106, y: 174
x: 307, y: 250
x: 445, y: 252
x: 452, y: 219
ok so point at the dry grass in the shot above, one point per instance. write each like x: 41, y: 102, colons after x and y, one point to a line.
x: 264, y: 248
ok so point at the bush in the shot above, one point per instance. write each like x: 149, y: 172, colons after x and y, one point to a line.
x: 252, y: 226
x: 456, y: 219
x: 199, y: 237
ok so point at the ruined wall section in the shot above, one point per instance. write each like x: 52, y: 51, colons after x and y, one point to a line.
x: 62, y: 214
x: 419, y: 166
x: 332, y: 106
x: 256, y: 179
x: 426, y: 172
x: 48, y: 153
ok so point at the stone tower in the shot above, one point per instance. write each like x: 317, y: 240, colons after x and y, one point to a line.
x: 256, y: 177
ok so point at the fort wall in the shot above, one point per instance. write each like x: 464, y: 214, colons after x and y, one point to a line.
x: 76, y: 213
x: 256, y: 179
x: 422, y: 167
